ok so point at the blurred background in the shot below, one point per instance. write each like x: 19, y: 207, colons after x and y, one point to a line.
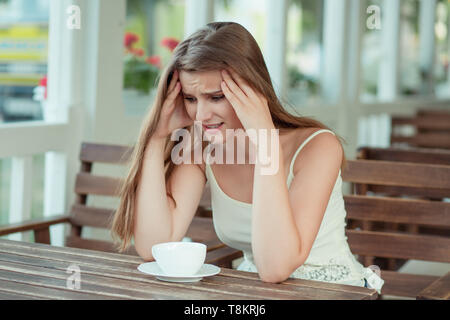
x: 85, y: 70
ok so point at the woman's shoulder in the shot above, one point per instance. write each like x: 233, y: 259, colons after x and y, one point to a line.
x: 323, y: 146
x: 295, y: 138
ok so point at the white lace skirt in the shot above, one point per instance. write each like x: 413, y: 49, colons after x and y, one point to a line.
x: 344, y: 269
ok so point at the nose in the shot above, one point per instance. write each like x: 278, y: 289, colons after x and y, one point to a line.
x: 203, y: 112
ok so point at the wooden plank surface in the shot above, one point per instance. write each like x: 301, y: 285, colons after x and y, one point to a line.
x: 404, y: 284
x: 438, y: 290
x: 399, y: 245
x: 40, y: 271
x: 416, y: 155
x: 105, y: 153
x: 392, y: 173
x: 385, y: 209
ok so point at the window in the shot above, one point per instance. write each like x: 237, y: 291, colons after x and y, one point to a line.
x: 153, y: 29
x: 251, y: 14
x: 304, y: 50
x: 23, y: 57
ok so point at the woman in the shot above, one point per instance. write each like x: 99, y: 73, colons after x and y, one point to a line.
x: 290, y: 223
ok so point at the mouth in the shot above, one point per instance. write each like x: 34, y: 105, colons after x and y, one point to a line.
x: 215, y: 126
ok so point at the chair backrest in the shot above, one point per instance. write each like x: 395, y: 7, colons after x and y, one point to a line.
x: 431, y: 129
x: 398, y: 210
x: 416, y: 155
x: 86, y: 184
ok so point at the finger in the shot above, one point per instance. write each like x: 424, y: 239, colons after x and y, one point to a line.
x: 231, y: 97
x: 174, y: 93
x: 173, y: 81
x: 246, y: 88
x: 233, y: 87
x: 261, y: 97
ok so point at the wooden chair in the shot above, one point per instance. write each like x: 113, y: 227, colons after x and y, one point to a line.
x: 84, y: 215
x: 431, y: 129
x: 416, y: 155
x: 369, y: 244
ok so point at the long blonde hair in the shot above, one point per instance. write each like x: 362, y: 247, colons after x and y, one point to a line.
x: 213, y: 47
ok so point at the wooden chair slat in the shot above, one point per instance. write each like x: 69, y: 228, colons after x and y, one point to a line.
x: 408, y: 191
x: 94, y: 244
x: 35, y: 224
x: 402, y: 120
x: 105, y: 153
x: 92, y: 217
x: 424, y: 140
x: 416, y: 155
x: 438, y: 290
x: 97, y: 185
x: 223, y: 257
x: 403, y: 284
x: 433, y: 140
x: 431, y: 213
x: 408, y: 140
x: 432, y: 129
x: 433, y: 123
x: 397, y: 245
x: 397, y: 174
x: 437, y: 113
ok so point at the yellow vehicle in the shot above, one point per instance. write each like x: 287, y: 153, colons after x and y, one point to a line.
x: 23, y: 61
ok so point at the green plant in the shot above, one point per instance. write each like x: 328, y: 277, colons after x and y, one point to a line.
x: 296, y: 78
x: 141, y: 72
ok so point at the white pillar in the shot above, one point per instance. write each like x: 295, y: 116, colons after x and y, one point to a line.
x: 448, y: 48
x: 275, y: 48
x: 20, y: 193
x: 427, y: 17
x: 334, y: 31
x: 355, y: 29
x: 349, y: 110
x: 388, y: 79
x: 198, y: 13
x: 64, y: 95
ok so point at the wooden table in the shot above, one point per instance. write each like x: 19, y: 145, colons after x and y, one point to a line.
x: 39, y: 271
x: 438, y: 290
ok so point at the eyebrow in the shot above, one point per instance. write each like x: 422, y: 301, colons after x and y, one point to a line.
x: 205, y: 93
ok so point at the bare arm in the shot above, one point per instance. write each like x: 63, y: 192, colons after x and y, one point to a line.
x: 158, y: 218
x: 286, y: 222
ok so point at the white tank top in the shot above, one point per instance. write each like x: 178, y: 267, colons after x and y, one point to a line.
x: 330, y: 258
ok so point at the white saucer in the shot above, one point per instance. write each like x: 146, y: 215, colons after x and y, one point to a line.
x: 153, y: 269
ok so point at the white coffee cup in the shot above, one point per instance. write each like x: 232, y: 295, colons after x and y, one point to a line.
x: 179, y: 258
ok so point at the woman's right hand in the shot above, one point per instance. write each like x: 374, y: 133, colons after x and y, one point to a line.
x: 173, y: 112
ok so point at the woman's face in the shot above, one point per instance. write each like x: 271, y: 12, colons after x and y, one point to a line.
x: 204, y: 101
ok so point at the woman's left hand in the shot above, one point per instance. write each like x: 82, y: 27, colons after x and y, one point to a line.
x: 250, y: 106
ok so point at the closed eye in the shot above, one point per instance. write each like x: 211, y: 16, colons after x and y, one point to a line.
x: 218, y: 98
x: 189, y: 99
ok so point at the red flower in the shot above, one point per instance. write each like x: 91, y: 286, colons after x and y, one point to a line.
x: 43, y: 83
x: 137, y: 52
x: 154, y: 60
x: 130, y: 39
x: 169, y: 43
